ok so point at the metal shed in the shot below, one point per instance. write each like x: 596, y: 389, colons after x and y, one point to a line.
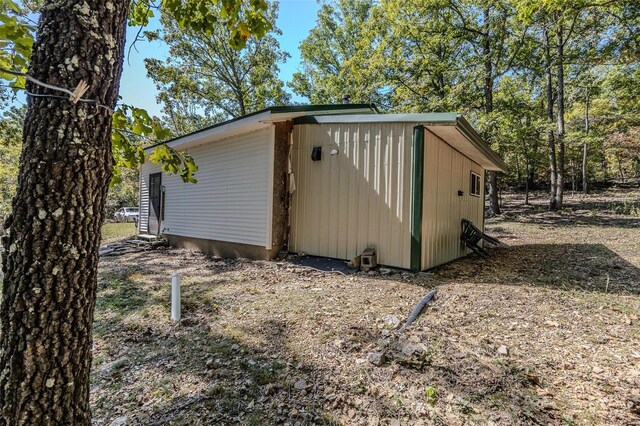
x: 328, y: 181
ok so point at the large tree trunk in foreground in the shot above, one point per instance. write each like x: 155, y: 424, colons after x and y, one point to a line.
x: 50, y: 264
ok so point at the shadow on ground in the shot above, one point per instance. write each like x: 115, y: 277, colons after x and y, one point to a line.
x: 586, y: 267
x: 620, y: 211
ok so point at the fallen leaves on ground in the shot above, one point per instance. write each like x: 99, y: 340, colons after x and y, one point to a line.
x: 545, y: 331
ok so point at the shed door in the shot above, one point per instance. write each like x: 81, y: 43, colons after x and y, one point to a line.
x: 155, y: 202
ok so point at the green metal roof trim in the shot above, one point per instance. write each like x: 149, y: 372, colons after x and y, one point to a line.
x: 343, y: 108
x: 436, y: 118
x: 429, y: 118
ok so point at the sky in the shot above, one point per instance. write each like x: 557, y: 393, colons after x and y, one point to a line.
x: 295, y: 19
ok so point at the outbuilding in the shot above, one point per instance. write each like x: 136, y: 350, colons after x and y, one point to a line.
x: 326, y: 180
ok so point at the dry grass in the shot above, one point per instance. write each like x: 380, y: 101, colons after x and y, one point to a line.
x: 115, y: 231
x: 562, y: 296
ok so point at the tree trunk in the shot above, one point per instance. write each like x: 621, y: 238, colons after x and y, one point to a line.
x: 51, y: 258
x: 531, y: 162
x: 585, y: 187
x: 526, y: 181
x: 551, y: 144
x: 527, y: 166
x: 561, y: 127
x: 494, y: 204
x: 620, y: 169
x: 574, y: 173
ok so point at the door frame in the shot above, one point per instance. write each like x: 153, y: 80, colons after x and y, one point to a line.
x: 160, y: 199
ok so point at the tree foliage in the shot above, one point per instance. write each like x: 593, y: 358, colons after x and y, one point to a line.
x: 240, y: 20
x: 336, y: 55
x: 10, y: 148
x: 205, y: 80
x: 488, y: 61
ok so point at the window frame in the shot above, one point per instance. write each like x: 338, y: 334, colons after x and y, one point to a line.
x: 475, y: 183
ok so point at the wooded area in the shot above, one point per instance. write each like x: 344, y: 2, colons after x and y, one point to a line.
x: 554, y: 87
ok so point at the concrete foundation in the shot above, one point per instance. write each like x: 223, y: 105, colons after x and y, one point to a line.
x: 223, y: 249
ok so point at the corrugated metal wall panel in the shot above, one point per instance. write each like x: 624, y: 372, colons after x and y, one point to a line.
x: 230, y: 200
x: 356, y: 198
x: 446, y: 172
x: 429, y: 209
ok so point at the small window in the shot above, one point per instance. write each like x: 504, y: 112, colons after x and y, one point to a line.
x: 475, y: 184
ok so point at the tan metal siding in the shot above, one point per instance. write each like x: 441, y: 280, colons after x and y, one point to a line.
x: 230, y: 200
x: 356, y: 198
x: 446, y: 172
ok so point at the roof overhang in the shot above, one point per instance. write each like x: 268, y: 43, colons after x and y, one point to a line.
x: 452, y: 128
x: 465, y: 139
x: 261, y: 119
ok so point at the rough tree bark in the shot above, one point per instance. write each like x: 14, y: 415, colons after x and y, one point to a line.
x: 551, y: 144
x: 51, y: 257
x: 560, y: 109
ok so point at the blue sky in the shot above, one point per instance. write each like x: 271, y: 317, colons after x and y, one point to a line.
x: 295, y: 19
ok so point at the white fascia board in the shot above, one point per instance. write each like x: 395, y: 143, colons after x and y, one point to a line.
x: 248, y: 124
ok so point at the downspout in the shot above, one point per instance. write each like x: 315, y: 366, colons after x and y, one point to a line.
x: 417, y: 184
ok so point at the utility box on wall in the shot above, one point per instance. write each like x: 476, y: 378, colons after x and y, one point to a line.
x: 316, y: 153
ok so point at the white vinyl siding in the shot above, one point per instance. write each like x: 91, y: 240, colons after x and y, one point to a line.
x: 230, y: 201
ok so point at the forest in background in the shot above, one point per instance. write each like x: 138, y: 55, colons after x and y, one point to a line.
x: 553, y: 86
x: 543, y: 330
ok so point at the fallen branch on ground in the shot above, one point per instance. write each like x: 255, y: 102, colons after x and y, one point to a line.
x: 418, y: 310
x: 130, y: 246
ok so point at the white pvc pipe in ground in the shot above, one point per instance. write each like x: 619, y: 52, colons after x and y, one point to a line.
x: 175, y: 297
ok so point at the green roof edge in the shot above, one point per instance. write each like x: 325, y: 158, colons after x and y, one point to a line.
x: 474, y: 137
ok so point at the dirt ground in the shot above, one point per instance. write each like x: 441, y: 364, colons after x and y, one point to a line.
x: 545, y: 331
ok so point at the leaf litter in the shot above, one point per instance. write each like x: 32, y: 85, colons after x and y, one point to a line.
x: 545, y: 331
